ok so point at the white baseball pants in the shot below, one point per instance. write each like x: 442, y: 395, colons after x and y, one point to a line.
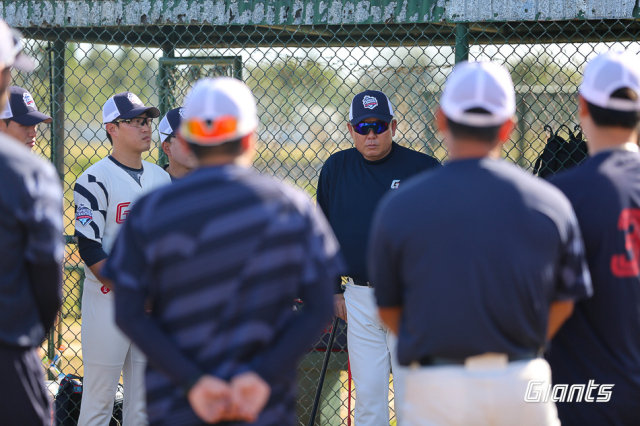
x: 106, y: 353
x: 461, y: 396
x: 372, y: 353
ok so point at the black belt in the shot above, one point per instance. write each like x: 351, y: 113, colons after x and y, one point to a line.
x: 361, y: 283
x: 436, y: 360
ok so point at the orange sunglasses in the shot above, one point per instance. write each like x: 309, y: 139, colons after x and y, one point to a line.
x: 209, y: 131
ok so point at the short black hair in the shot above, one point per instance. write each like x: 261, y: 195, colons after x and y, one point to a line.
x: 463, y: 131
x: 606, y: 117
x: 233, y: 147
x: 108, y: 135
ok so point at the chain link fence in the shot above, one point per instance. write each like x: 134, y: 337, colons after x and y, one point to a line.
x: 304, y: 78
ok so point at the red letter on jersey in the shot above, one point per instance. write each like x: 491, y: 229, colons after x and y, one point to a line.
x: 122, y: 212
x: 628, y: 265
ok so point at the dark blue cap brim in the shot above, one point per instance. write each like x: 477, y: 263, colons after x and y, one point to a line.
x: 384, y: 117
x: 152, y: 112
x: 32, y: 118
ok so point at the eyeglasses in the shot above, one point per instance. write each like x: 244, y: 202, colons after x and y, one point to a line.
x: 377, y: 127
x: 135, y: 122
x: 209, y: 131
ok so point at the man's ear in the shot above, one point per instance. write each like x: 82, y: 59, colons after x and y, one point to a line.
x: 350, y: 129
x: 394, y: 126
x: 248, y: 141
x: 441, y: 120
x: 165, y: 148
x: 111, y: 129
x: 505, y: 130
x: 583, y: 110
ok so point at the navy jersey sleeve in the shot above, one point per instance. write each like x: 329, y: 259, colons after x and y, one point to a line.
x: 44, y: 249
x: 322, y: 194
x: 383, y: 260
x: 574, y: 280
x: 42, y: 217
x: 130, y: 270
x: 322, y: 199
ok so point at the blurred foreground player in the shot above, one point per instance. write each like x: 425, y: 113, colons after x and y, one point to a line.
x: 221, y: 254
x: 600, y: 344
x: 31, y: 262
x: 476, y: 265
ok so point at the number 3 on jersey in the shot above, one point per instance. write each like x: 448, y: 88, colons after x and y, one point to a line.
x: 628, y: 264
x: 122, y: 212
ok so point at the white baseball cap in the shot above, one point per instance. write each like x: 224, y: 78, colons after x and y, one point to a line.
x: 485, y: 85
x: 126, y: 105
x: 607, y: 73
x: 170, y: 123
x: 11, y: 46
x: 218, y: 110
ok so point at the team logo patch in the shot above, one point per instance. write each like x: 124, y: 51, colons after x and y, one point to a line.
x: 369, y: 102
x: 181, y: 112
x: 28, y: 100
x: 134, y: 100
x: 395, y: 184
x: 104, y: 290
x: 84, y: 215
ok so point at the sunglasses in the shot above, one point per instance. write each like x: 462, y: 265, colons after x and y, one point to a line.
x: 208, y: 131
x: 135, y: 122
x: 377, y: 127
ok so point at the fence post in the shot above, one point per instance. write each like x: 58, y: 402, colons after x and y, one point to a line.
x: 57, y: 79
x: 462, y: 42
x: 56, y: 85
x: 165, y: 95
x: 521, y: 114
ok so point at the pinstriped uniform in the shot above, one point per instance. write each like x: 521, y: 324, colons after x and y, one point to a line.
x: 103, y: 196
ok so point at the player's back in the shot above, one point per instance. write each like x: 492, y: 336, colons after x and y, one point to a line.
x: 213, y: 236
x: 601, y: 340
x: 481, y: 242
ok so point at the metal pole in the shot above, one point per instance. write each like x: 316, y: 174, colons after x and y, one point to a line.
x: 462, y: 42
x: 165, y: 94
x: 56, y: 85
x: 521, y: 114
x: 325, y: 364
x: 237, y: 67
x: 57, y: 105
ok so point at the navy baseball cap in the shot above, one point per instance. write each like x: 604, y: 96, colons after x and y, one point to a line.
x: 22, y: 109
x: 370, y: 103
x: 126, y: 105
x: 170, y: 123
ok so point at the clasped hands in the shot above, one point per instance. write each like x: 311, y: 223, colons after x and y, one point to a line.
x: 241, y: 399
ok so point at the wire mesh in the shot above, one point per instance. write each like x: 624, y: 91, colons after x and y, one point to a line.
x: 303, y: 82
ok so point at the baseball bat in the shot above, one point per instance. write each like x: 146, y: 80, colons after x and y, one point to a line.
x: 323, y: 372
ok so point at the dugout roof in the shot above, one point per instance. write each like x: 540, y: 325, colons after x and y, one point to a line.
x: 185, y: 23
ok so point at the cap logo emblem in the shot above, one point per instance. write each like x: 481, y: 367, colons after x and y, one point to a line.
x: 134, y: 100
x: 84, y: 214
x: 28, y: 100
x: 181, y: 112
x: 369, y: 102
